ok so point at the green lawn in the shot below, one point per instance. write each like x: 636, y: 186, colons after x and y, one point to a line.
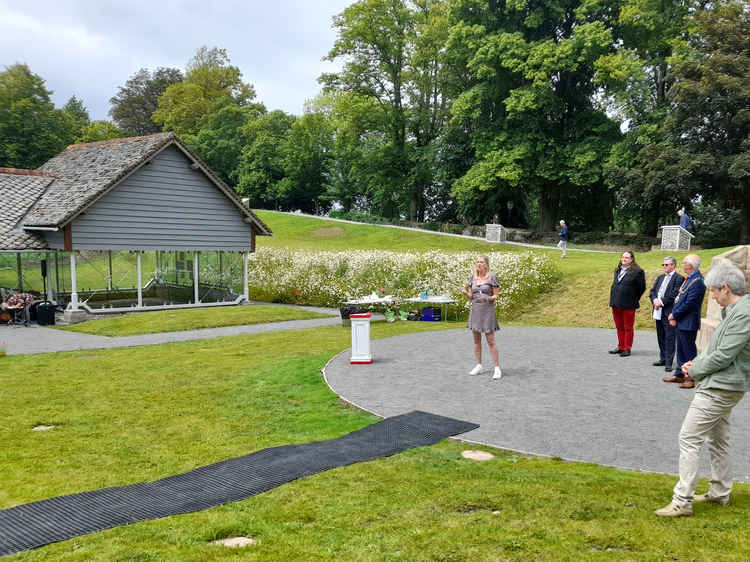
x: 140, y: 414
x: 581, y: 297
x: 189, y: 319
x: 305, y: 233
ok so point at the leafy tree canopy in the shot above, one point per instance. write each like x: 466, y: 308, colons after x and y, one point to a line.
x: 31, y: 129
x: 135, y: 102
x: 211, y: 83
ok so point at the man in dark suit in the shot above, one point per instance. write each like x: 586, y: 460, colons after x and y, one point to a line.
x: 662, y: 295
x: 686, y: 317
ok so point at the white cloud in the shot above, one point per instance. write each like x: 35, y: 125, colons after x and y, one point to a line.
x: 89, y: 48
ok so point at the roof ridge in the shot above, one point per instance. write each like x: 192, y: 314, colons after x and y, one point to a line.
x: 22, y: 172
x: 123, y: 140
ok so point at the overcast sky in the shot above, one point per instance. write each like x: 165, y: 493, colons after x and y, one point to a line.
x: 88, y: 48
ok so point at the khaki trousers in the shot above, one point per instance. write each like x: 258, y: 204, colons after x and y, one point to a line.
x: 707, y: 420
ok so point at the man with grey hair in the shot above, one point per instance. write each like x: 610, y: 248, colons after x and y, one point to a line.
x: 662, y: 297
x: 686, y: 317
x: 722, y: 375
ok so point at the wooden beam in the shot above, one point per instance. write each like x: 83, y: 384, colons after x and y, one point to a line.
x: 68, y: 238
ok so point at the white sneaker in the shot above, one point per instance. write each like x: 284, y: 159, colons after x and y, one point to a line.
x: 476, y: 370
x: 705, y: 498
x: 675, y: 510
x: 498, y: 373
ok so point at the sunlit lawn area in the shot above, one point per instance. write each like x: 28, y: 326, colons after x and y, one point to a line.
x: 139, y: 414
x: 190, y: 319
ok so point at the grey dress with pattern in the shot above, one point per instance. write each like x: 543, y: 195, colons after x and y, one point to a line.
x: 482, y: 317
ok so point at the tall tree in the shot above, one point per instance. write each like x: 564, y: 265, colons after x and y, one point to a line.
x: 307, y: 156
x: 373, y: 41
x: 79, y: 115
x: 210, y: 83
x: 136, y: 101
x: 711, y: 102
x: 219, y: 140
x: 31, y: 129
x: 536, y: 130
x: 261, y: 164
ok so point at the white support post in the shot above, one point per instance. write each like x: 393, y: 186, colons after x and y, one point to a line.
x: 73, y: 283
x: 245, y: 289
x: 195, y: 277
x: 139, y: 280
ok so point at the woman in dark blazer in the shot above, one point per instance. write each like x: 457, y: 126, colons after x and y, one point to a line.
x: 627, y: 287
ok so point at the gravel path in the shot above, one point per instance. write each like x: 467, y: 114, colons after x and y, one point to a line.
x: 561, y: 394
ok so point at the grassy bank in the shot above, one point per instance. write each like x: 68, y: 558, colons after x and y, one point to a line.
x: 130, y: 415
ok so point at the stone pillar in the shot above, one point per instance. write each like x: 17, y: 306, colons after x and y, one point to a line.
x: 739, y: 256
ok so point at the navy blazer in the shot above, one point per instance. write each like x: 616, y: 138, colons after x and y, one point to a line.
x: 687, y: 307
x: 669, y: 294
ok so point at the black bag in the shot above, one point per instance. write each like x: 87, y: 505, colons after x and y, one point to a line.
x: 348, y: 310
x: 45, y: 313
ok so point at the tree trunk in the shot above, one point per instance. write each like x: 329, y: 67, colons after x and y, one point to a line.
x: 745, y: 233
x: 549, y: 201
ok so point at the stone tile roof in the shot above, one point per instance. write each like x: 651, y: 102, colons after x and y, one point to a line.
x: 19, y: 190
x: 85, y: 172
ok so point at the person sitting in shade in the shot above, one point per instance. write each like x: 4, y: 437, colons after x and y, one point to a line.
x: 722, y: 376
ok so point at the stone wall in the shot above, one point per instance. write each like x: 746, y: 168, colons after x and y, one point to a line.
x: 739, y: 256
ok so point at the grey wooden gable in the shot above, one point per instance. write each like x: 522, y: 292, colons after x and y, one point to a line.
x: 168, y: 203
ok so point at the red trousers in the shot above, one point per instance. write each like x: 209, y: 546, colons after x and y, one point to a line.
x: 624, y: 320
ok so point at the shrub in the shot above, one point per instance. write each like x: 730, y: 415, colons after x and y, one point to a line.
x: 330, y: 278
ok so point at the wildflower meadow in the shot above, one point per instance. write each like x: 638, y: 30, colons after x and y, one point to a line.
x: 329, y: 278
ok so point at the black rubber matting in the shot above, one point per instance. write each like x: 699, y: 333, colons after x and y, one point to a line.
x: 35, y: 524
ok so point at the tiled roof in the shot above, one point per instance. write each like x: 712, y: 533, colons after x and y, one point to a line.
x: 85, y: 172
x: 19, y: 190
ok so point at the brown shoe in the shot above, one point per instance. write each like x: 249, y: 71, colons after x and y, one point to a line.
x: 673, y: 379
x: 690, y: 383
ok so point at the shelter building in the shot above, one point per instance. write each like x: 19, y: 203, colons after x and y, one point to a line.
x: 148, y: 200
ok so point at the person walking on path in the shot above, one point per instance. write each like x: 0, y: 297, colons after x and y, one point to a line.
x: 722, y: 375
x: 627, y: 287
x: 662, y: 296
x: 686, y: 317
x: 563, y: 243
x: 483, y: 289
x: 685, y: 221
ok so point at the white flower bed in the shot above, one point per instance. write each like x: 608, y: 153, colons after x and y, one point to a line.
x: 330, y: 278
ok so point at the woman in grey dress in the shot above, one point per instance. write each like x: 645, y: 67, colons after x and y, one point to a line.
x: 482, y: 290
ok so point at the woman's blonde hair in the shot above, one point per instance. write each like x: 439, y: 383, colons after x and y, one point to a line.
x: 486, y: 260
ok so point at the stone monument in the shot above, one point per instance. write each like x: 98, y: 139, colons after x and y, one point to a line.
x: 495, y: 233
x: 674, y: 237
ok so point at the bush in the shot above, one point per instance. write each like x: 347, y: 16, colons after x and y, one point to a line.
x: 715, y: 226
x: 330, y: 278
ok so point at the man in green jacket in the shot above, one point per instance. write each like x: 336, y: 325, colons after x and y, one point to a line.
x: 722, y: 376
